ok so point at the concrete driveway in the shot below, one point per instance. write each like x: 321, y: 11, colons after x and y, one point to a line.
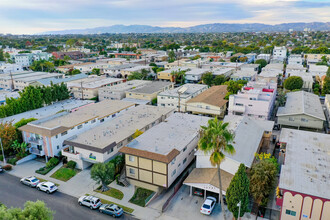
x: 184, y: 206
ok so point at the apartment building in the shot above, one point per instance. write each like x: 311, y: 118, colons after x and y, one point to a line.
x: 75, y: 55
x: 247, y: 75
x: 250, y: 136
x: 195, y: 75
x: 101, y: 143
x: 115, y: 71
x: 302, y: 109
x: 20, y: 80
x: 167, y: 75
x: 304, y: 179
x: 7, y: 94
x: 46, y: 136
x: 118, y: 92
x: 295, y: 59
x: 10, y: 68
x: 128, y: 71
x: 315, y: 58
x: 256, y: 99
x: 157, y: 157
x: 178, y: 97
x: 128, y: 55
x: 149, y: 91
x: 88, y: 67
x: 210, y: 102
x: 279, y: 53
x: 264, y: 57
x: 88, y: 88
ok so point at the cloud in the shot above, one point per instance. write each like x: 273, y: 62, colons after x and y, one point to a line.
x: 33, y: 16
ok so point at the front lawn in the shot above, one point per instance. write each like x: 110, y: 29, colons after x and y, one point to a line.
x: 64, y: 174
x: 140, y: 196
x: 115, y: 193
x: 104, y: 201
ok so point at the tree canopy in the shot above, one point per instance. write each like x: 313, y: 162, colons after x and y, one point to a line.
x: 238, y: 191
x: 262, y: 62
x: 103, y: 173
x: 293, y: 83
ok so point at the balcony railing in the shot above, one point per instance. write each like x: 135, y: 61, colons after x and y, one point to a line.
x: 35, y: 140
x: 36, y: 151
x: 71, y: 154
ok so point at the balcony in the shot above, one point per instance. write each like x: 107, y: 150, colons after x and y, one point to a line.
x: 70, y: 154
x: 35, y: 140
x: 36, y: 151
x: 238, y: 108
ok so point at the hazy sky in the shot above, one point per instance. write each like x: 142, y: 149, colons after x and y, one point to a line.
x: 35, y: 16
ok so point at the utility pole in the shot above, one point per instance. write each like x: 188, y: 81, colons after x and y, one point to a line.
x: 12, y: 81
x: 239, y: 210
x: 82, y: 90
x: 3, y: 154
x: 179, y: 104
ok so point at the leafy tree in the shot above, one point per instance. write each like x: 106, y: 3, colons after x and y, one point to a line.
x: 207, y: 78
x: 215, y: 139
x: 143, y: 75
x: 171, y: 56
x: 281, y: 99
x: 74, y: 72
x: 137, y: 133
x: 328, y: 72
x: 293, y: 82
x: 233, y: 59
x: 8, y: 134
x: 23, y: 122
x: 235, y: 86
x: 96, y: 71
x: 326, y: 86
x: 20, y: 148
x: 32, y: 210
x: 103, y: 173
x: 219, y: 80
x: 262, y: 178
x: 238, y: 191
x: 2, y: 57
x: 262, y: 62
x: 179, y: 76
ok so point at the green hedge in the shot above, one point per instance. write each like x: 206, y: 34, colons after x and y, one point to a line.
x: 44, y: 170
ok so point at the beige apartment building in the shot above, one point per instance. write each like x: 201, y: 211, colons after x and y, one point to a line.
x: 118, y: 92
x: 157, y: 157
x: 126, y: 72
x: 149, y: 91
x: 88, y: 88
x: 100, y: 144
x: 166, y: 75
x: 210, y: 102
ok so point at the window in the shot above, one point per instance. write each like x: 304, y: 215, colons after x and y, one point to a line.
x: 131, y: 158
x: 56, y: 136
x: 173, y: 173
x: 260, y: 116
x: 64, y: 133
x: 86, y: 122
x: 110, y: 151
x: 120, y: 144
x: 130, y: 138
x: 173, y: 161
x: 153, y: 123
x: 58, y: 147
x: 207, y: 107
x: 184, y: 149
x: 250, y: 105
x: 131, y: 171
x: 239, y: 104
x: 179, y: 165
x: 304, y: 120
x: 79, y: 126
x: 114, y: 115
x: 102, y: 120
x: 184, y: 161
x: 291, y: 119
x: 93, y: 121
x: 289, y: 212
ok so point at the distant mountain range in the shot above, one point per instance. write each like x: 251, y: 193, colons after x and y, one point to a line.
x: 205, y: 28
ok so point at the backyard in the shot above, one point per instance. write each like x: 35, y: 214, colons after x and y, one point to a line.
x: 141, y: 196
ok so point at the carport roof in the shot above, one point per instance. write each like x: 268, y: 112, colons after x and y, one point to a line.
x: 209, y: 176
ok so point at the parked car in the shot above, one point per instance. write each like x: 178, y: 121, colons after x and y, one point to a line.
x: 47, y: 187
x: 208, y: 205
x: 198, y: 192
x: 90, y: 201
x: 112, y: 209
x: 1, y: 170
x: 30, y: 181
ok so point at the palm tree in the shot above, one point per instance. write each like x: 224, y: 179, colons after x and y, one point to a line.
x: 215, y: 139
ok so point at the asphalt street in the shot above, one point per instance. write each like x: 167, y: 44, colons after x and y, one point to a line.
x: 15, y: 194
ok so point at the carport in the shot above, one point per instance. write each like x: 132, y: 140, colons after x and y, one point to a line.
x: 207, y: 180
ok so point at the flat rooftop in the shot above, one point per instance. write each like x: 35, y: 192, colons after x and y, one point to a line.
x: 29, y: 76
x: 307, y: 162
x: 93, y: 82
x: 98, y: 110
x: 136, y: 68
x: 122, y: 87
x: 274, y: 66
x: 302, y: 102
x: 175, y: 133
x: 248, y: 134
x: 196, y: 71
x: 174, y: 69
x: 189, y: 90
x: 119, y: 128
x: 7, y: 94
x: 154, y: 86
x: 212, y: 96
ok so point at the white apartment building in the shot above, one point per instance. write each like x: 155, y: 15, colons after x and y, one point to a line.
x: 256, y: 100
x: 178, y: 97
x: 10, y: 68
x: 101, y: 143
x: 295, y: 59
x: 118, y: 92
x: 46, y: 136
x: 279, y: 53
x: 264, y: 57
x: 194, y: 75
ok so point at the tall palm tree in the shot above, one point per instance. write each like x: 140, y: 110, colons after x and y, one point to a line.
x: 215, y: 139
